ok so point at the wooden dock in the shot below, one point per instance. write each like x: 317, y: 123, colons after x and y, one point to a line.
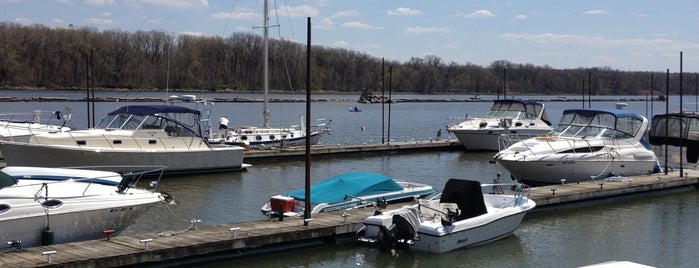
x: 330, y: 150
x: 241, y: 239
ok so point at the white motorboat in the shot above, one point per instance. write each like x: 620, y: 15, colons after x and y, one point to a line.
x: 587, y: 144
x: 136, y: 135
x: 508, y: 120
x: 19, y: 126
x: 266, y: 136
x: 462, y: 216
x: 58, y: 205
x: 346, y: 191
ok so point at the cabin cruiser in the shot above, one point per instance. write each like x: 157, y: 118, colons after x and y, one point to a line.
x: 41, y: 206
x: 461, y: 216
x: 508, y: 120
x: 680, y: 132
x: 346, y: 191
x: 134, y: 135
x: 587, y: 144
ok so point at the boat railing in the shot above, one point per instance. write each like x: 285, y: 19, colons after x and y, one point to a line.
x: 520, y: 191
x: 130, y: 178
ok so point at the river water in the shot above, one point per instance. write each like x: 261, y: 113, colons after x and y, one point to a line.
x: 658, y: 229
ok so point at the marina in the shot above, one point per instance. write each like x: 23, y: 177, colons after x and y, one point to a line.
x: 242, y: 239
x: 228, y: 200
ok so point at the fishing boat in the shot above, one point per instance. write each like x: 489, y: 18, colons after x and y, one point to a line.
x: 509, y: 120
x: 265, y: 136
x: 587, y: 144
x: 680, y: 129
x: 41, y: 206
x: 134, y: 135
x: 461, y: 216
x: 346, y: 191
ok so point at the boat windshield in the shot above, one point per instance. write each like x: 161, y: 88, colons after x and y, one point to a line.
x: 587, y: 124
x: 516, y: 109
x: 135, y: 122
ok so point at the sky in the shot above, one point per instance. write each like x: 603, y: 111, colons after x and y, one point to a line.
x: 627, y: 35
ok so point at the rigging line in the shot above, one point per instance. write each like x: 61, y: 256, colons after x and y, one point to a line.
x: 282, y: 42
x: 228, y: 19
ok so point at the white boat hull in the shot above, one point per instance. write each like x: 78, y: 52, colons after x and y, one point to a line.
x: 552, y: 172
x: 440, y: 239
x: 494, y: 139
x: 77, y: 225
x: 175, y: 160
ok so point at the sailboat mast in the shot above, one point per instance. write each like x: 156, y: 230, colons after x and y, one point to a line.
x: 265, y: 111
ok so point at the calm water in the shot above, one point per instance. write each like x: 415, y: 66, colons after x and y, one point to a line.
x: 660, y: 229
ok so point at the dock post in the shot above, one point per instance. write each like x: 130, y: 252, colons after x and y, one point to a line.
x: 145, y: 242
x: 234, y: 231
x: 48, y: 255
x: 307, y: 222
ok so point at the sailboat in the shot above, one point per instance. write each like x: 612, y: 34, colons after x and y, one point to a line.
x: 266, y: 136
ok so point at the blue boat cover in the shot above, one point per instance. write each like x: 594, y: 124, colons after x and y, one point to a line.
x: 356, y: 184
x: 153, y: 109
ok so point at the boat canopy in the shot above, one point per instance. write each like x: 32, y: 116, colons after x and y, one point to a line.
x: 665, y: 130
x: 355, y: 184
x: 175, y: 120
x: 467, y: 195
x: 511, y: 108
x: 617, y: 124
x: 153, y: 110
x: 688, y: 122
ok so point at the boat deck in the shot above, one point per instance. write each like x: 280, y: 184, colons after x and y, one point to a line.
x: 245, y: 238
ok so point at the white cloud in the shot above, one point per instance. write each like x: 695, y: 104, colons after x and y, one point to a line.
x: 521, y: 17
x: 99, y: 21
x: 58, y: 21
x: 360, y: 25
x: 65, y: 2
x: 341, y: 43
x: 173, y: 4
x: 482, y: 13
x: 423, y: 30
x: 296, y: 12
x: 345, y: 13
x: 107, y: 14
x: 192, y: 33
x: 325, y: 23
x: 403, y: 11
x: 238, y: 14
x: 23, y: 21
x: 99, y: 2
x: 596, y: 12
x: 655, y: 44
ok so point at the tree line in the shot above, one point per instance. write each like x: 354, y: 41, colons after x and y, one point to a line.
x: 73, y: 58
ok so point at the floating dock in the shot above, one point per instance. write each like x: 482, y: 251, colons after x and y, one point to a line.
x: 329, y: 150
x: 246, y: 238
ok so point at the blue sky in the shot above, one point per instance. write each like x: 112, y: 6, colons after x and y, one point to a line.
x: 634, y: 35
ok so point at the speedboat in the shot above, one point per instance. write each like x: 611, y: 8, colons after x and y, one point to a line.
x: 587, y: 144
x: 346, y: 191
x: 509, y: 120
x: 675, y: 130
x: 461, y: 216
x: 40, y: 206
x: 135, y: 135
